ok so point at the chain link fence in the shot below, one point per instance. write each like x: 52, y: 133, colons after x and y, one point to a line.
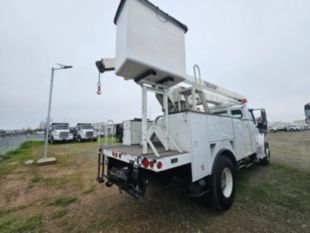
x: 14, y: 142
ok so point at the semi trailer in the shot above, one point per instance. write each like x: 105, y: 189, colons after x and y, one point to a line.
x: 205, y: 132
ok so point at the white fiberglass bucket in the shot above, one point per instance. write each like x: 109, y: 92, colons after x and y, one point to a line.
x: 148, y: 38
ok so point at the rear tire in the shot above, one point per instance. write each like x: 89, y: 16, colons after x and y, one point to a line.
x: 222, y: 184
x: 266, y: 161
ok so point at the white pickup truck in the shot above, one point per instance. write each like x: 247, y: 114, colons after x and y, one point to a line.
x: 205, y: 133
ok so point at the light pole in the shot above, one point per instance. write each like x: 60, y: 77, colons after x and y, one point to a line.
x: 61, y: 67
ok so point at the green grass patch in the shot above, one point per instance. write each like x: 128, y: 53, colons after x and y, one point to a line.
x: 280, y: 186
x: 30, y: 224
x: 23, y: 153
x: 37, y: 178
x: 63, y: 201
x: 6, y: 168
x: 4, y: 212
x: 9, y: 161
x: 74, y: 179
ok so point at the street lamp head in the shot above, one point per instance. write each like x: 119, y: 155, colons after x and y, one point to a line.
x: 64, y: 66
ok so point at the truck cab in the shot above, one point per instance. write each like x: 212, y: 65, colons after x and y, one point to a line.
x: 307, y: 113
x: 84, y: 132
x: 59, y: 132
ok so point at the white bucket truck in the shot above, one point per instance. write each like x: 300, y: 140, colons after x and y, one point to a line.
x: 205, y: 133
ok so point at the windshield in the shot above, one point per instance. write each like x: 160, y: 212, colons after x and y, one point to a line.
x: 61, y: 127
x: 307, y: 110
x: 86, y: 127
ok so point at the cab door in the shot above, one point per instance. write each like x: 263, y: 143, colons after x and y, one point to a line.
x: 243, y: 135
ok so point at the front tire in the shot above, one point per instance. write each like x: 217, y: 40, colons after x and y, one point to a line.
x: 223, y: 184
x: 266, y: 161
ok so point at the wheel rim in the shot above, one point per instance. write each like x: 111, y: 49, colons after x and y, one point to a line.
x: 267, y: 154
x: 227, y: 182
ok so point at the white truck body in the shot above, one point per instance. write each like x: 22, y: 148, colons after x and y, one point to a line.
x: 201, y: 137
x: 205, y: 132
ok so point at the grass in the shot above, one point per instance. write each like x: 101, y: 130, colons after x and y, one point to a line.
x: 63, y: 201
x: 60, y: 213
x: 285, y: 187
x: 74, y: 179
x: 89, y: 190
x: 30, y: 224
x: 9, y: 161
x: 4, y: 212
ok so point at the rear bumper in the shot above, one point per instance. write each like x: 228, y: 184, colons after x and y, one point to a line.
x: 167, y: 162
x: 127, y: 177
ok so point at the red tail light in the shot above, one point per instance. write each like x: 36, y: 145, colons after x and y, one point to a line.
x: 159, y: 165
x: 151, y: 164
x: 145, y: 163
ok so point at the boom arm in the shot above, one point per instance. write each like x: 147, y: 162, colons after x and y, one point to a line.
x: 212, y: 93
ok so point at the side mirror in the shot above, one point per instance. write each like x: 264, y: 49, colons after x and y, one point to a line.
x: 263, y: 125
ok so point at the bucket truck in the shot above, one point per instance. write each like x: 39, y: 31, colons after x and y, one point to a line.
x: 205, y: 133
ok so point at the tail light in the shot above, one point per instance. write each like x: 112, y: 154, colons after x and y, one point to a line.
x: 159, y: 165
x: 151, y: 164
x: 145, y: 163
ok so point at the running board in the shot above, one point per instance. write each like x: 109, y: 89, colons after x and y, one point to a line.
x: 244, y: 164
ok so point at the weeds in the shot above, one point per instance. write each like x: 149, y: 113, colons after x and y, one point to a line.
x: 74, y: 179
x: 290, y: 189
x: 31, y: 224
x: 89, y: 190
x: 60, y: 213
x: 63, y: 201
x: 9, y: 161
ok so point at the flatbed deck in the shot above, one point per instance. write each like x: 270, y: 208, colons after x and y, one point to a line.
x: 136, y: 150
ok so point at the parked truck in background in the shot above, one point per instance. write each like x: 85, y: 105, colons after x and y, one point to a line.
x: 307, y: 113
x: 84, y: 132
x: 59, y: 132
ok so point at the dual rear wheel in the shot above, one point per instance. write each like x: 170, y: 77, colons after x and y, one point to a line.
x: 222, y: 184
x: 222, y: 181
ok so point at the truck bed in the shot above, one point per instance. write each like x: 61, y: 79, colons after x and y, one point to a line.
x: 136, y: 150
